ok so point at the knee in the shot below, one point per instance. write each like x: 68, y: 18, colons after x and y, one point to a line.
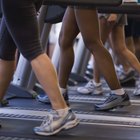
x: 65, y: 41
x: 121, y: 52
x: 32, y: 54
x: 93, y: 44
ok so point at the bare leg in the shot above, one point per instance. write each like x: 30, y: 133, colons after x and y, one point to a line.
x: 105, y: 30
x: 6, y: 73
x: 46, y: 75
x: 130, y: 44
x: 118, y: 61
x: 68, y: 33
x: 118, y: 40
x: 137, y: 47
x: 91, y: 36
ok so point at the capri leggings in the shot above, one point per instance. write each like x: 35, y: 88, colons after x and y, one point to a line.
x: 19, y: 29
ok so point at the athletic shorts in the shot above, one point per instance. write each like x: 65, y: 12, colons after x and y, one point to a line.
x: 121, y: 18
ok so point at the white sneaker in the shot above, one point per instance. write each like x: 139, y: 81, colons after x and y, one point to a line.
x: 137, y: 91
x: 90, y: 88
x: 53, y: 123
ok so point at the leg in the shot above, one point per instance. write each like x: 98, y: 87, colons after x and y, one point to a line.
x: 30, y: 47
x: 20, y: 20
x: 105, y: 29
x: 123, y: 53
x: 90, y: 31
x: 68, y: 33
x: 91, y: 36
x: 7, y: 61
x: 136, y: 37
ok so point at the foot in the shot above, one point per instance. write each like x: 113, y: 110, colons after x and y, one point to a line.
x: 113, y: 101
x: 45, y: 99
x: 137, y: 91
x: 90, y: 88
x: 54, y: 123
x: 126, y: 77
x: 4, y: 103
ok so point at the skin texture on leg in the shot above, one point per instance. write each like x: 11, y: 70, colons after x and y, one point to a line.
x: 96, y: 73
x: 118, y: 43
x: 6, y: 73
x: 46, y: 75
x: 137, y: 47
x: 105, y: 30
x: 117, y: 61
x: 29, y: 45
x: 130, y: 44
x: 68, y: 33
x: 87, y: 21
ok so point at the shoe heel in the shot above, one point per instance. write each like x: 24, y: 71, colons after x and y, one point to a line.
x: 70, y: 125
x: 126, y: 103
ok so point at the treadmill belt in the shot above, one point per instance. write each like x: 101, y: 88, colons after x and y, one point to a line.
x: 23, y: 129
x: 23, y: 114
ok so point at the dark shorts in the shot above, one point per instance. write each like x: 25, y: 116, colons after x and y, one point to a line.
x: 121, y: 18
x: 19, y: 29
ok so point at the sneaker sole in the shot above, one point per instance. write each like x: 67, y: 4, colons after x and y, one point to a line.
x: 127, y: 80
x: 84, y: 93
x: 48, y: 102
x: 67, y: 126
x: 70, y: 125
x: 91, y: 93
x: 126, y: 103
x: 98, y: 93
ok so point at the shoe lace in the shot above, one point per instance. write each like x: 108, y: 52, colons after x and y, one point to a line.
x: 90, y: 84
x: 50, y: 118
x: 121, y: 75
x: 110, y: 98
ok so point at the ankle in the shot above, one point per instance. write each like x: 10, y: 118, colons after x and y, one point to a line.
x: 96, y: 84
x: 63, y: 90
x: 118, y: 91
x: 63, y: 112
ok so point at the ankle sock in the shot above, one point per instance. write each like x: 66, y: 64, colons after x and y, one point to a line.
x: 63, y: 90
x: 63, y: 112
x: 96, y: 84
x: 118, y: 91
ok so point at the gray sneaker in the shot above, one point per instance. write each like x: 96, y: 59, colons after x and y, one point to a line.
x: 53, y: 123
x: 137, y: 91
x: 90, y: 88
x: 113, y: 101
x: 126, y: 77
x: 46, y: 100
x: 4, y: 103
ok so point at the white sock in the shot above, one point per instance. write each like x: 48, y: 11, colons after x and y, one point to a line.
x: 96, y: 84
x: 63, y: 112
x: 118, y: 91
x: 63, y: 90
